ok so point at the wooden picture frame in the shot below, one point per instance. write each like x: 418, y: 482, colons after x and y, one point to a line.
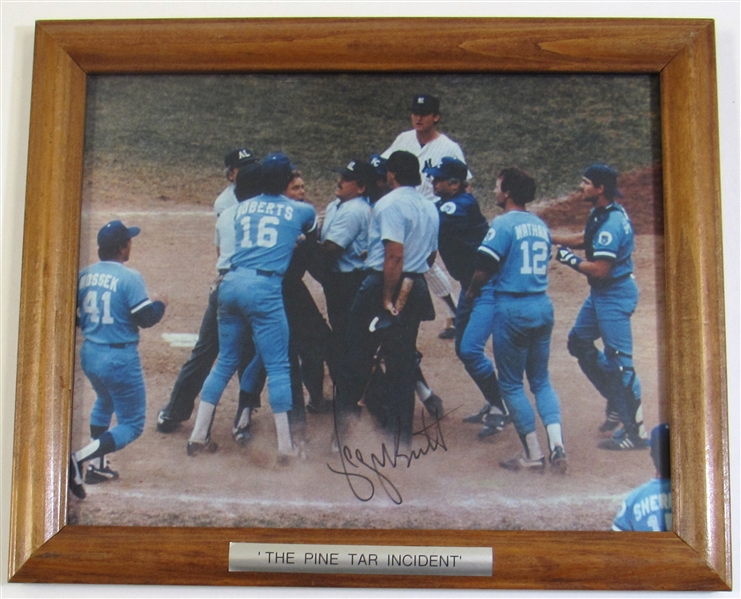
x: 696, y: 555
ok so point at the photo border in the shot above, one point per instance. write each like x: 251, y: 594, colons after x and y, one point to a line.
x: 682, y: 51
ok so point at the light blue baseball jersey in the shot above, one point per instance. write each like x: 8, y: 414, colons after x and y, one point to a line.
x: 403, y: 215
x: 346, y: 224
x: 521, y: 243
x: 608, y: 235
x: 108, y: 294
x: 267, y: 228
x: 226, y: 237
x: 647, y: 508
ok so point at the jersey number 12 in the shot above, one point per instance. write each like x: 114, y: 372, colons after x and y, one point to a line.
x: 534, y: 261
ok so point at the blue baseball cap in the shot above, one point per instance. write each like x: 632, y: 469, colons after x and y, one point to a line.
x: 276, y: 163
x: 378, y: 163
x: 115, y: 233
x: 659, y: 444
x: 601, y: 174
x: 449, y: 168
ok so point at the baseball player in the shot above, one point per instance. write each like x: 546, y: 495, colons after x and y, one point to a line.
x: 402, y: 242
x: 608, y: 243
x: 462, y: 229
x: 649, y: 507
x: 516, y: 250
x: 251, y: 296
x: 309, y: 337
x: 195, y: 370
x: 112, y: 304
x: 430, y: 146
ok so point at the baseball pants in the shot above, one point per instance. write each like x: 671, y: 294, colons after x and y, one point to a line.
x: 248, y: 299
x: 522, y: 340
x: 118, y: 380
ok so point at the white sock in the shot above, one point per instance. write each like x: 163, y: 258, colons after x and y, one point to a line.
x: 554, y: 436
x: 82, y: 454
x: 204, y: 418
x: 285, y: 445
x: 244, y: 419
x: 423, y: 391
x: 533, y: 447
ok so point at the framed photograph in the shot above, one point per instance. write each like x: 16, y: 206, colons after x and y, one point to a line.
x: 86, y: 71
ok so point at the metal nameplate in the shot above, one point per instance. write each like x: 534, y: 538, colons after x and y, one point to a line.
x: 361, y: 559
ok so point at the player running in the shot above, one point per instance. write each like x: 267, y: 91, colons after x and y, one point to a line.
x: 516, y: 250
x: 112, y: 304
x: 608, y: 243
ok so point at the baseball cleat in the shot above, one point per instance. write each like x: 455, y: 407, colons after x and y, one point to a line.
x: 493, y: 424
x: 478, y: 416
x: 447, y: 333
x: 165, y: 424
x: 434, y: 406
x: 612, y: 421
x: 75, y: 479
x: 558, y: 460
x: 620, y: 442
x: 242, y: 435
x: 287, y: 458
x: 95, y: 475
x: 522, y: 462
x: 319, y: 406
x: 194, y: 447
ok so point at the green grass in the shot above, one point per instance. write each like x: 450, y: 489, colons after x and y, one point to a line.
x: 551, y: 125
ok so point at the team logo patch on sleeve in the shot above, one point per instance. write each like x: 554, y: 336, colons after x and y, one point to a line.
x: 448, y: 208
x: 490, y: 235
x: 605, y: 238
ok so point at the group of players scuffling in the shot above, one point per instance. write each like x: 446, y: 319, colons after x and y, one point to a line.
x: 374, y: 253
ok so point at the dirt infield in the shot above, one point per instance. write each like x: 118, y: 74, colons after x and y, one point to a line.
x: 454, y: 480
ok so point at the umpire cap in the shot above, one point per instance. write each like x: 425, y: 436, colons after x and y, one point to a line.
x: 239, y: 157
x: 115, y: 234
x: 659, y: 444
x: 359, y: 171
x: 601, y: 174
x: 424, y: 104
x: 449, y: 168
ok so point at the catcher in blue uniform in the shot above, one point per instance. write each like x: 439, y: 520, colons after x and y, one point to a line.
x: 112, y: 304
x: 649, y: 507
x: 608, y: 244
x: 516, y: 251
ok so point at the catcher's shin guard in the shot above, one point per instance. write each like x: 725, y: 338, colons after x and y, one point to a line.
x: 588, y: 356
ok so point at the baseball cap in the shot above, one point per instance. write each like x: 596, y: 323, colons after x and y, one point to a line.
x: 449, y: 168
x: 425, y: 104
x: 239, y: 157
x: 378, y: 163
x: 277, y: 171
x: 601, y: 174
x: 359, y: 171
x: 659, y: 444
x: 115, y: 233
